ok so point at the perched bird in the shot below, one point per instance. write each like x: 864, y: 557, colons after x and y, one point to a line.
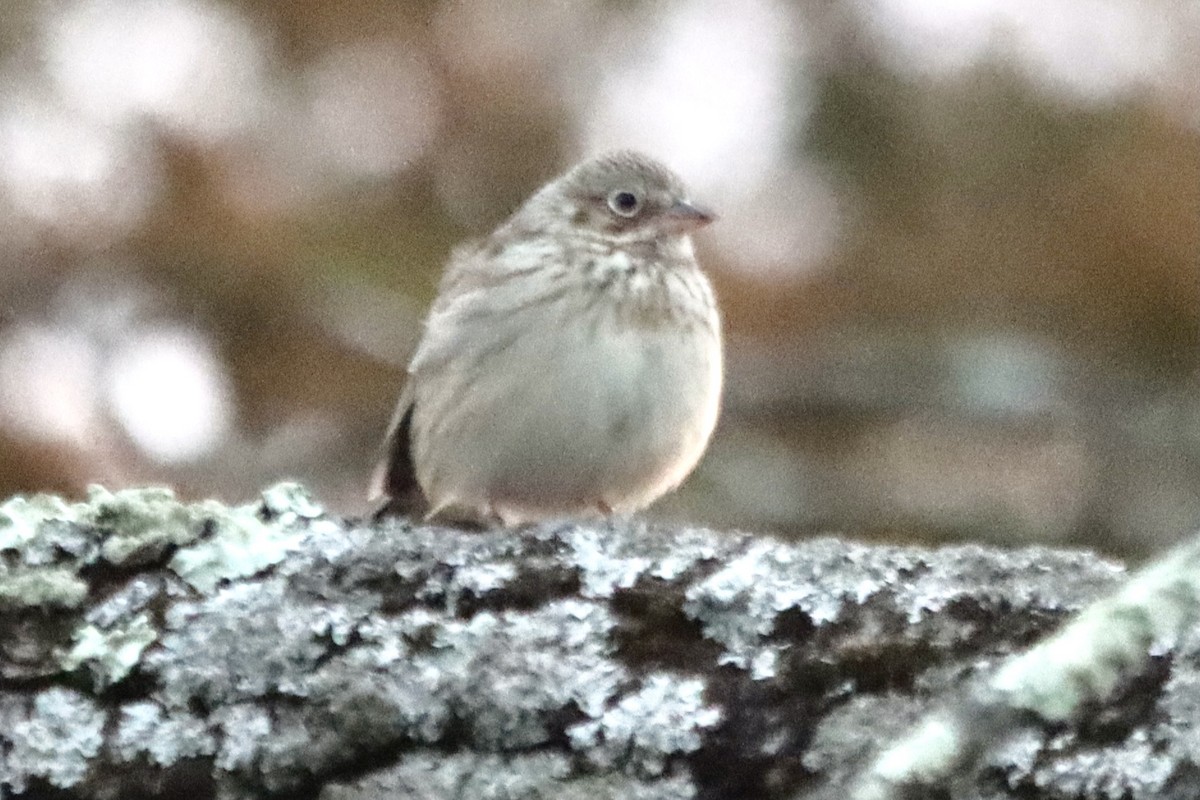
x: 571, y: 364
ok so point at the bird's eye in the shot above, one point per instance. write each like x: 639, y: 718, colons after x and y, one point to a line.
x: 625, y: 204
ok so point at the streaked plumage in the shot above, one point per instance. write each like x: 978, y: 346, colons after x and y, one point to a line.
x: 571, y: 363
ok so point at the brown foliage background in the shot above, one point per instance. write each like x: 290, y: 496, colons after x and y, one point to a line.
x: 958, y: 257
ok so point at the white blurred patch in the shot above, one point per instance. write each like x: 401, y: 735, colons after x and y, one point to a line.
x: 47, y: 383
x: 1088, y: 50
x: 785, y: 229
x: 365, y: 111
x: 516, y: 36
x: 195, y: 66
x: 708, y: 88
x: 64, y: 170
x: 372, y: 107
x: 169, y: 391
x: 713, y: 90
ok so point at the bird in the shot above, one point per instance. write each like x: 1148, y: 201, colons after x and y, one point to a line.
x: 571, y: 364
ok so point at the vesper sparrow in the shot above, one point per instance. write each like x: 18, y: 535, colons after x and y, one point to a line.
x: 571, y: 363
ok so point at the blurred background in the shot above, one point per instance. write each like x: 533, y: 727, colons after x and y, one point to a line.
x: 959, y: 252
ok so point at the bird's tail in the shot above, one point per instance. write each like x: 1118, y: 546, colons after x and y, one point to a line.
x: 394, y: 483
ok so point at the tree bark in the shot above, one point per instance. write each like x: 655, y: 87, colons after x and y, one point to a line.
x: 155, y: 649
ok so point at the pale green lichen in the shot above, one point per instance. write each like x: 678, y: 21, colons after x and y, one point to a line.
x: 139, y: 524
x: 39, y: 531
x: 290, y: 500
x: 53, y: 539
x: 111, y: 653
x: 22, y: 516
x: 241, y: 545
x: 35, y: 579
x: 51, y: 587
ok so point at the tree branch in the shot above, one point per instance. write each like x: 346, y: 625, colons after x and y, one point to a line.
x: 157, y: 649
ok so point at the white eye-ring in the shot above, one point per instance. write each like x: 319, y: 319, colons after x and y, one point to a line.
x: 624, y: 203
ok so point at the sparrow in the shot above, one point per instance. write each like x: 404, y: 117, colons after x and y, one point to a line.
x: 571, y: 364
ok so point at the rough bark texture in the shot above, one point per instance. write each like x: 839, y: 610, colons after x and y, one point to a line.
x: 151, y: 649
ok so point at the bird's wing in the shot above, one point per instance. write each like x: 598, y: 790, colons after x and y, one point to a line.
x: 461, y: 300
x: 463, y: 268
x: 460, y: 328
x: 395, y: 479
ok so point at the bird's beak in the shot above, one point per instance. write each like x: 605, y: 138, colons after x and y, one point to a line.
x: 684, y: 216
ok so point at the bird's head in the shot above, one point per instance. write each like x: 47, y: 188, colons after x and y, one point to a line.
x: 623, y: 197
